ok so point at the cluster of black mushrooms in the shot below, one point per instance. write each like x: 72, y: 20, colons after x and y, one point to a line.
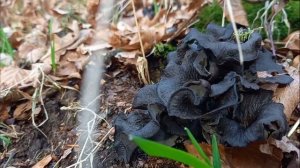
x: 205, y: 88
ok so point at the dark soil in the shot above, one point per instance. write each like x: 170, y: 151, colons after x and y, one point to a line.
x: 119, y: 86
x: 32, y: 145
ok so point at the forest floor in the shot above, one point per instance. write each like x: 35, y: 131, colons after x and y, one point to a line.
x: 41, y: 76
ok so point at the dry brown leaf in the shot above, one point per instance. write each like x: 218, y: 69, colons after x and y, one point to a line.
x: 240, y: 16
x: 78, y: 59
x: 286, y: 145
x: 289, y: 95
x: 71, y: 64
x: 4, y: 109
x: 258, y: 155
x: 33, y: 47
x: 296, y: 61
x: 20, y: 112
x: 44, y: 162
x: 293, y: 41
x: 15, y: 77
x: 92, y: 8
x: 84, y: 35
x: 124, y: 35
x: 16, y: 39
x: 15, y: 95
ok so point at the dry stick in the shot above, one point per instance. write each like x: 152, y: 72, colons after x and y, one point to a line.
x: 293, y: 129
x: 237, y: 37
x: 146, y: 70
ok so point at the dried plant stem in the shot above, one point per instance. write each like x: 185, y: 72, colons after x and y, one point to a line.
x: 230, y: 12
x: 223, y: 16
x: 38, y: 94
x: 143, y: 69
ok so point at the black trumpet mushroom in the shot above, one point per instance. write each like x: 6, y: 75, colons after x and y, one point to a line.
x: 204, y: 87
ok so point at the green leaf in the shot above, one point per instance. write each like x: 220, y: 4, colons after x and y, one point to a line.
x: 197, y: 146
x: 158, y: 150
x: 215, y: 152
x: 5, y: 141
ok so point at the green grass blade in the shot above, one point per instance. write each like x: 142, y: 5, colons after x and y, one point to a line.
x: 197, y: 146
x: 6, y: 47
x: 158, y: 150
x: 52, y: 47
x: 215, y: 152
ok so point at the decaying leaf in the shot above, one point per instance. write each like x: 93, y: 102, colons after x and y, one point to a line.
x: 21, y: 112
x: 4, y: 109
x: 44, y: 162
x: 289, y: 95
x: 14, y: 77
x: 34, y: 46
x: 257, y: 154
x: 292, y: 42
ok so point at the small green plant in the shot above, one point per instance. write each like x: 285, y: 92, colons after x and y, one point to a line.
x: 5, y: 46
x: 6, y: 49
x: 159, y: 150
x: 156, y: 7
x: 52, y: 47
x: 244, y: 34
x: 162, y: 50
x: 5, y: 141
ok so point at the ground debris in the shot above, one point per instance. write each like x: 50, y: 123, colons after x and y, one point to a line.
x: 205, y: 85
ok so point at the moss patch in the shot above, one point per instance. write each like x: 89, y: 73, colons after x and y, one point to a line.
x: 213, y: 13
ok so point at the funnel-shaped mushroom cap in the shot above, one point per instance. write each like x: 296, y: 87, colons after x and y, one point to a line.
x: 145, y: 96
x: 187, y: 102
x: 138, y: 124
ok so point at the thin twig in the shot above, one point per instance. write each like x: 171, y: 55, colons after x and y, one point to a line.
x: 138, y: 28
